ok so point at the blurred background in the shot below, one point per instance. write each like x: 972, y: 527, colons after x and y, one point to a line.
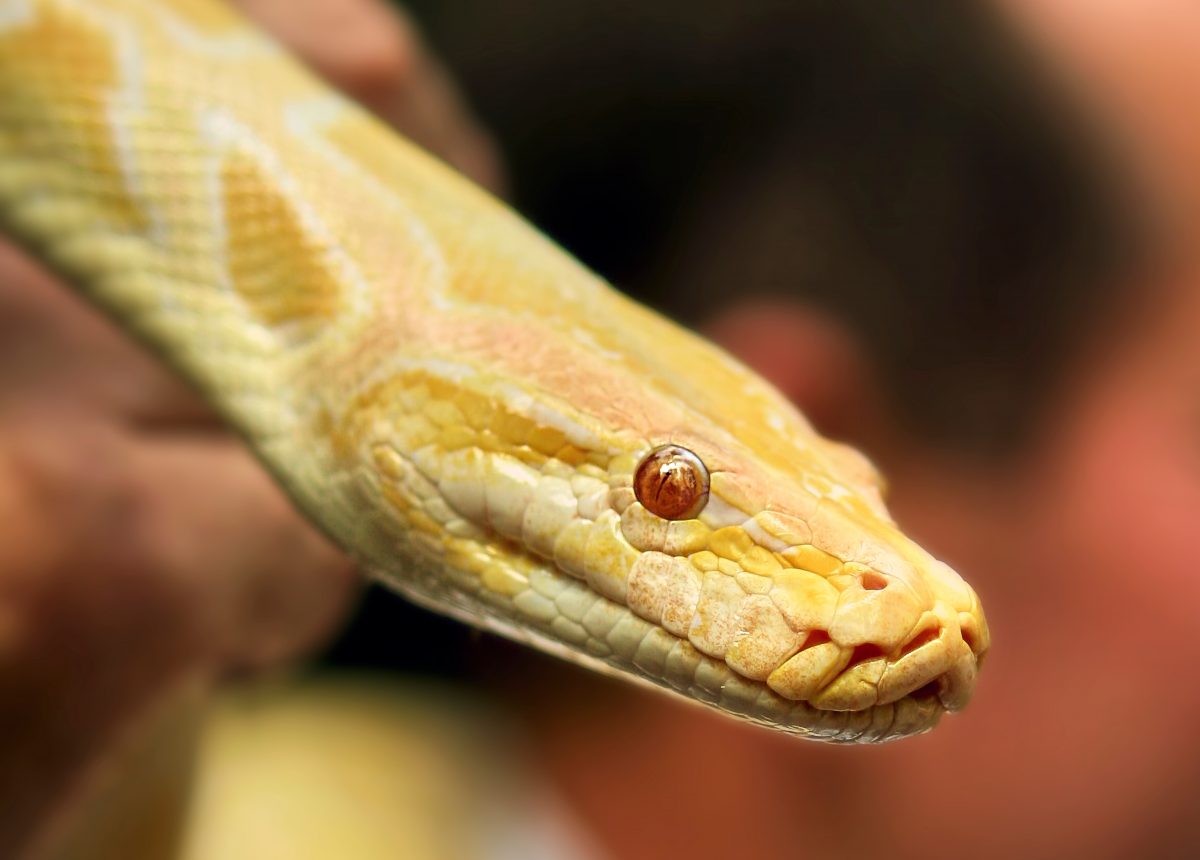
x: 961, y: 236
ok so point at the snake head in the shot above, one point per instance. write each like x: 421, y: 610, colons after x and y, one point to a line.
x: 497, y: 413
x: 760, y: 574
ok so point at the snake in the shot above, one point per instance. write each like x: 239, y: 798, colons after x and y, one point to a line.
x: 487, y: 427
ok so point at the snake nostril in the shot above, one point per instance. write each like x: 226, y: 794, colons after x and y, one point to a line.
x: 872, y: 581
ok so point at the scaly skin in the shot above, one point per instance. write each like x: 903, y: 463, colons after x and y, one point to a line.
x: 453, y: 399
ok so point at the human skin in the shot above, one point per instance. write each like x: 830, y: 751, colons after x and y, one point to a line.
x: 1081, y: 739
x: 145, y: 553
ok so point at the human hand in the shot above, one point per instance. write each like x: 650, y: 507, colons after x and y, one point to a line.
x: 145, y: 550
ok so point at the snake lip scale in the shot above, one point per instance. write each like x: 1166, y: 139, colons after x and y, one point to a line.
x: 453, y: 399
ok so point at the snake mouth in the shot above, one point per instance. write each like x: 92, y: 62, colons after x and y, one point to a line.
x: 915, y: 713
x: 866, y: 694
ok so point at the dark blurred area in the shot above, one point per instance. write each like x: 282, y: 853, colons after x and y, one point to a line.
x: 906, y: 167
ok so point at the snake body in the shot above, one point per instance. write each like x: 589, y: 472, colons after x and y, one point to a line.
x: 451, y: 397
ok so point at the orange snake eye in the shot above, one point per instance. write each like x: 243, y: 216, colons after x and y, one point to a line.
x: 671, y: 482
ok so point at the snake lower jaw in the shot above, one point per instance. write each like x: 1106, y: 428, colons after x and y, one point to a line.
x: 914, y: 713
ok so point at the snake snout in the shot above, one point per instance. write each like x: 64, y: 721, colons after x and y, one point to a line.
x: 936, y: 662
x: 939, y: 658
x: 953, y: 685
x: 966, y: 643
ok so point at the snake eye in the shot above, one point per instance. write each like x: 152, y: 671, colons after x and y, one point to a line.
x: 672, y: 483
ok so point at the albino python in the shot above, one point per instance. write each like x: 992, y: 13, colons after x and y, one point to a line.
x: 485, y: 425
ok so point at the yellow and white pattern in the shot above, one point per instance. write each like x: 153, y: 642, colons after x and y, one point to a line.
x: 452, y: 398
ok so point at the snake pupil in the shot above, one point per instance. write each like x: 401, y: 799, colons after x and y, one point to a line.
x: 672, y: 483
